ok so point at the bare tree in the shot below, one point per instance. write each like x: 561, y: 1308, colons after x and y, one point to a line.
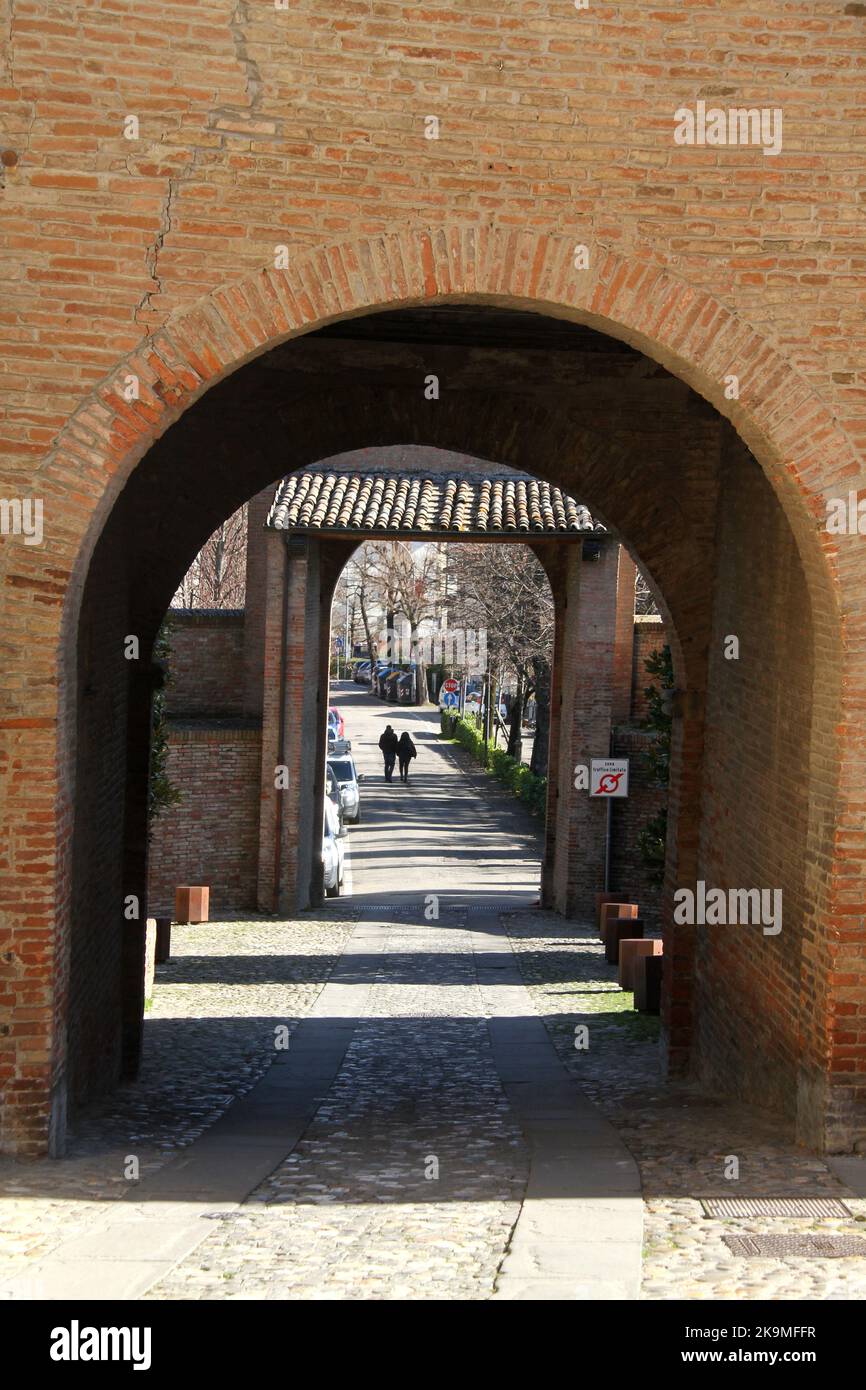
x: 358, y: 583
x: 217, y: 576
x: 504, y: 590
x: 643, y: 598
x: 409, y: 581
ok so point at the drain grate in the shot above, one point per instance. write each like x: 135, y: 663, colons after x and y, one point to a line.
x: 804, y: 1247
x: 774, y: 1206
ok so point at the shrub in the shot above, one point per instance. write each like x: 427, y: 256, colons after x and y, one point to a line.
x: 161, y: 791
x: 514, y: 775
x: 656, y: 761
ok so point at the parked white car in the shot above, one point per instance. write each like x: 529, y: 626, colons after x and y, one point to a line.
x: 348, y: 777
x: 333, y: 854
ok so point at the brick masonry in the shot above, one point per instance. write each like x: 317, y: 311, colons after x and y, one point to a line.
x: 211, y: 836
x: 154, y: 259
x: 207, y: 664
x: 649, y: 638
x: 223, y: 832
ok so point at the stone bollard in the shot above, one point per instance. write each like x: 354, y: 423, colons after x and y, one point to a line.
x: 615, y: 909
x: 648, y: 984
x: 617, y: 929
x: 629, y: 950
x: 191, y: 905
x: 163, y: 940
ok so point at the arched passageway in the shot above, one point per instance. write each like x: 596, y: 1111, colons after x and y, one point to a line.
x: 755, y: 762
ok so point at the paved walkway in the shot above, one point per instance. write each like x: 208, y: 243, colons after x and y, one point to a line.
x: 452, y: 830
x: 682, y: 1140
x: 419, y: 1138
x: 431, y: 1131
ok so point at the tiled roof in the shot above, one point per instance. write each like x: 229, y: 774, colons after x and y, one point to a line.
x: 426, y: 504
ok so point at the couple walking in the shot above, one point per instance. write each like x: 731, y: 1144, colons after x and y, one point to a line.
x: 401, y: 749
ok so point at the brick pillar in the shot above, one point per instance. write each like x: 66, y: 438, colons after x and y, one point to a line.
x: 300, y: 575
x: 256, y: 597
x: 290, y: 681
x: 585, y: 687
x: 682, y: 867
x: 623, y: 638
x: 143, y: 681
x: 554, y: 558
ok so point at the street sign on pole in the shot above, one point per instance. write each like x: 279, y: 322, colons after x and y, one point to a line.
x: 608, y: 777
x: 449, y: 694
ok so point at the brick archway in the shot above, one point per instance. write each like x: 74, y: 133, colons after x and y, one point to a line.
x: 790, y: 431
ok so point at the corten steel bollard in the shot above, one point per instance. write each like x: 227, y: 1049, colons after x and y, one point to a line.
x: 615, y: 909
x: 163, y: 940
x: 629, y: 950
x: 601, y: 900
x: 617, y: 929
x: 648, y: 984
x: 191, y: 905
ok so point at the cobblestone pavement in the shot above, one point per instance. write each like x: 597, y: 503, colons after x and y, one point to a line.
x: 207, y: 1039
x: 408, y: 1182
x: 681, y: 1138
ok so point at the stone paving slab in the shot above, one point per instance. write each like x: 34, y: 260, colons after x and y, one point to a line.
x: 576, y: 1156
x: 351, y: 1213
x: 680, y: 1138
x: 208, y: 1038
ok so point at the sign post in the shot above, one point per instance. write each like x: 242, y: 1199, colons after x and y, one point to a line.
x: 608, y: 778
x: 449, y: 695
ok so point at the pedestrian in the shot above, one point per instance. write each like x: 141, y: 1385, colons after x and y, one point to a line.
x: 389, y: 744
x: 405, y: 752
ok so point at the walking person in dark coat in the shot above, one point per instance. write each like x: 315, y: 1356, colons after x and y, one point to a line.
x: 389, y: 744
x: 405, y: 753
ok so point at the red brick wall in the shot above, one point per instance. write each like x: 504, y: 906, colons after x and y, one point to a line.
x: 206, y: 663
x: 623, y: 638
x: 306, y: 127
x: 93, y: 1024
x: 754, y: 1007
x: 649, y: 637
x: 629, y: 816
x: 211, y: 836
x: 628, y: 872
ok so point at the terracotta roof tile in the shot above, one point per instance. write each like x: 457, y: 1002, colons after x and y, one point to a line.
x: 426, y: 504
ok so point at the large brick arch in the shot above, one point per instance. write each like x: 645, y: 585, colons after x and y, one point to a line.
x: 793, y: 434
x: 804, y: 453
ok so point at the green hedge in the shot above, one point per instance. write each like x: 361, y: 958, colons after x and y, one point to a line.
x: 515, y: 776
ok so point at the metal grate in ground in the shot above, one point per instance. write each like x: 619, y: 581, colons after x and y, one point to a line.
x: 803, y: 1247
x: 750, y: 1207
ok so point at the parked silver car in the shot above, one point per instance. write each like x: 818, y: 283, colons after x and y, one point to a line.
x: 332, y: 850
x: 348, y: 779
x: 332, y: 791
